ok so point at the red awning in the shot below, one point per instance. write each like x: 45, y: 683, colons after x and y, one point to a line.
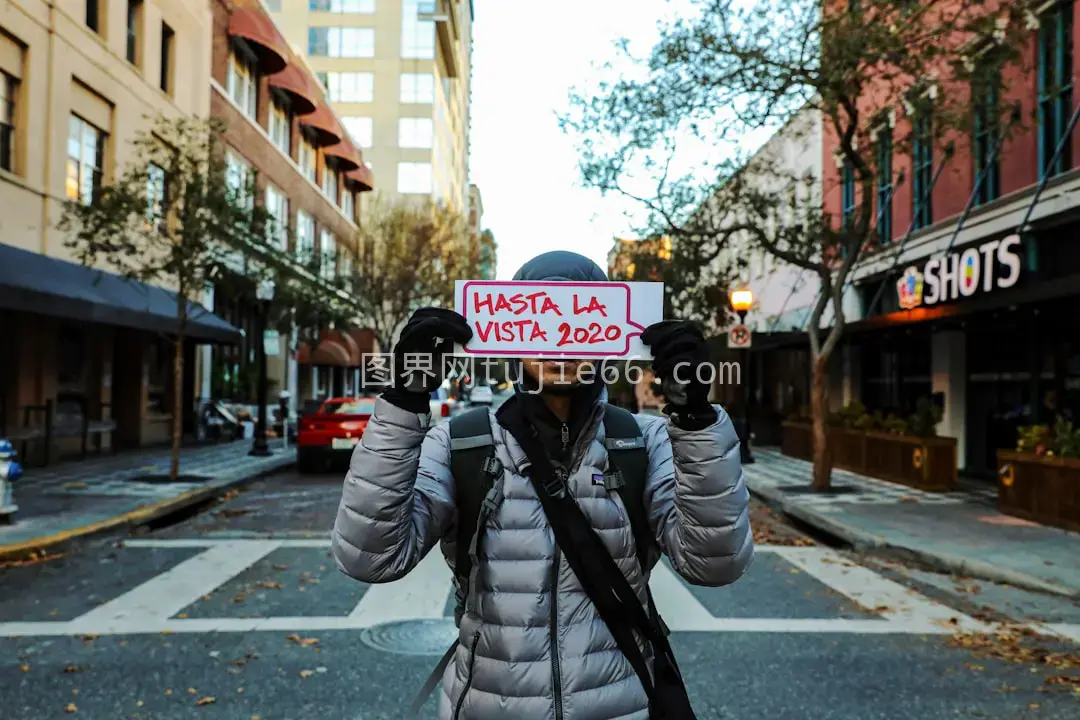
x: 295, y: 81
x: 251, y: 23
x: 362, y: 176
x: 346, y: 153
x: 325, y: 124
x: 334, y: 348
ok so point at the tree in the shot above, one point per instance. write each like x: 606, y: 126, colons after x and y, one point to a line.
x: 172, y: 218
x: 487, y: 256
x: 409, y: 255
x: 871, y: 69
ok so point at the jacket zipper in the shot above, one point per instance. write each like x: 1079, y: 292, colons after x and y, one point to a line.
x: 556, y: 673
x: 565, y: 437
x: 468, y: 676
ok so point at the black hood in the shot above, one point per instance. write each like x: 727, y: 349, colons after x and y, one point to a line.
x: 558, y: 265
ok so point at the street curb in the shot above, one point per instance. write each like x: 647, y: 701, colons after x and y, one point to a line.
x: 140, y: 516
x: 859, y: 539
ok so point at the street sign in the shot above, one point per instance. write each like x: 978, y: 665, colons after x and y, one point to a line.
x: 739, y: 337
x: 559, y: 319
x: 272, y: 343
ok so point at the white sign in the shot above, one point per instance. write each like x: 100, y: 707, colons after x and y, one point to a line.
x: 994, y: 264
x: 559, y: 319
x: 272, y: 343
x: 739, y: 337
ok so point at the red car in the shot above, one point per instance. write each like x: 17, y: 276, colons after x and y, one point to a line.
x: 332, y: 431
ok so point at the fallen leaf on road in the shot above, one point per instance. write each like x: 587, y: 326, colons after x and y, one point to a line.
x: 168, y: 691
x: 77, y: 485
x: 239, y: 689
x: 1006, y: 689
x: 182, y: 616
x: 192, y: 691
x: 279, y: 566
x: 909, y: 498
x: 270, y: 584
x: 139, y: 703
x: 1033, y: 706
x: 166, y: 632
x: 233, y: 512
x: 71, y: 707
x: 75, y: 668
x: 303, y: 641
x: 306, y: 674
x: 208, y: 700
x: 24, y: 668
x: 1064, y: 680
x: 256, y: 717
x: 973, y: 666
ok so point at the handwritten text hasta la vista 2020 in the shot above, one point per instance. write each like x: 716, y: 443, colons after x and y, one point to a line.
x: 540, y: 304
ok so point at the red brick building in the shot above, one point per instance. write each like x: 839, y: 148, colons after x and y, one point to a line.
x: 282, y: 131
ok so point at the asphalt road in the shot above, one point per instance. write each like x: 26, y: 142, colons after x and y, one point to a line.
x: 240, y: 613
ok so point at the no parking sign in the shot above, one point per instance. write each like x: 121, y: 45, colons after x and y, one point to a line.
x: 739, y: 337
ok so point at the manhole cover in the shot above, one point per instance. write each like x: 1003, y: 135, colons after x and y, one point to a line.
x: 412, y: 637
x: 159, y: 479
x: 834, y: 490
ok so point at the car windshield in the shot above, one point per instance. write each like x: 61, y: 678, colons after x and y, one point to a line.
x: 349, y: 407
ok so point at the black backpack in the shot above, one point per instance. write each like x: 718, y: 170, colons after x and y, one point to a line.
x: 477, y: 476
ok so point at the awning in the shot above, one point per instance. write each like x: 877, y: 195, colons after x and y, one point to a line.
x: 347, y: 155
x: 362, y: 176
x: 334, y: 348
x: 325, y: 125
x: 34, y: 283
x: 294, y: 80
x: 251, y: 23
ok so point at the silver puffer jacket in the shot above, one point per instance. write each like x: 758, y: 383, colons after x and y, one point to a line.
x: 532, y: 646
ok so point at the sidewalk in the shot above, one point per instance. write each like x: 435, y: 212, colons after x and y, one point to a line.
x: 960, y: 532
x: 74, y: 499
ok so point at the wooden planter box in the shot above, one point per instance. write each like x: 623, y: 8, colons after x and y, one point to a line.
x: 923, y: 463
x: 1046, y: 490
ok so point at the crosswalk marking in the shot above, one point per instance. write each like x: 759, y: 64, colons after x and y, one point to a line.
x: 170, y: 592
x: 423, y: 593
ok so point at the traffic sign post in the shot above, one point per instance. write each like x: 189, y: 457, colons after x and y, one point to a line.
x: 739, y: 337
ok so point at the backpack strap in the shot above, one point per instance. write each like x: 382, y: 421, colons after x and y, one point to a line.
x: 626, y: 453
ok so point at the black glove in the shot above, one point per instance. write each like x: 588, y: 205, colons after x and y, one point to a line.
x: 678, y: 349
x: 420, y: 356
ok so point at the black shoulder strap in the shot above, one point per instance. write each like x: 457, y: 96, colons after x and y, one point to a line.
x: 626, y: 452
x: 471, y: 447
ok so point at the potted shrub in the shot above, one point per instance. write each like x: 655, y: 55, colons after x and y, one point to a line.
x: 1040, y: 480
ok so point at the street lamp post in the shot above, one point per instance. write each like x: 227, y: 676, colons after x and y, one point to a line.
x: 741, y: 301
x: 264, y: 293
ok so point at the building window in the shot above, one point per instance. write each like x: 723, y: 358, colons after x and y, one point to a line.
x: 922, y: 152
x: 414, y: 178
x: 347, y: 207
x: 277, y: 207
x: 86, y: 160
x: 350, y: 86
x: 238, y: 178
x: 280, y: 129
x: 168, y: 38
x: 330, y: 183
x: 985, y: 135
x: 305, y: 236
x: 341, y: 42
x: 360, y: 129
x: 417, y: 36
x: 418, y: 88
x: 134, y: 16
x: 93, y: 15
x: 1055, y: 87
x: 156, y: 195
x: 847, y: 194
x: 327, y: 255
x: 345, y: 266
x: 242, y: 83
x: 884, y: 185
x: 8, y: 88
x: 307, y: 159
x: 365, y: 7
x: 415, y: 132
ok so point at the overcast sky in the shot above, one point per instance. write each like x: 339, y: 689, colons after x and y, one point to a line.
x: 526, y: 58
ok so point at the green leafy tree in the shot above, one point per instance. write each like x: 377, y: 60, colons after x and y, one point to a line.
x: 870, y: 69
x: 172, y: 218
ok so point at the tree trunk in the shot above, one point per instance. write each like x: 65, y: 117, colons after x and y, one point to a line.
x: 178, y: 383
x: 819, y: 412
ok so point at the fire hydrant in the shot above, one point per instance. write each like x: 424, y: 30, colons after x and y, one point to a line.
x: 10, y: 471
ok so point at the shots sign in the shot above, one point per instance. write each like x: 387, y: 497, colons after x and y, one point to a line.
x: 559, y: 319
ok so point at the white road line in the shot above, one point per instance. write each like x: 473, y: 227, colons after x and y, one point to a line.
x: 678, y: 606
x: 216, y: 542
x: 348, y: 622
x: 865, y: 587
x: 166, y: 594
x: 420, y: 594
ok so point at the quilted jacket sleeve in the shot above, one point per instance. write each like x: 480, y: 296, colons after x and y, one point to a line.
x: 398, y: 496
x: 697, y: 499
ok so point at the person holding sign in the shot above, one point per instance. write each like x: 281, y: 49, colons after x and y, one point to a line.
x: 552, y: 511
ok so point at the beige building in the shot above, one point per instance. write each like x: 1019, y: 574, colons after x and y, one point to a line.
x: 78, y: 80
x: 398, y: 73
